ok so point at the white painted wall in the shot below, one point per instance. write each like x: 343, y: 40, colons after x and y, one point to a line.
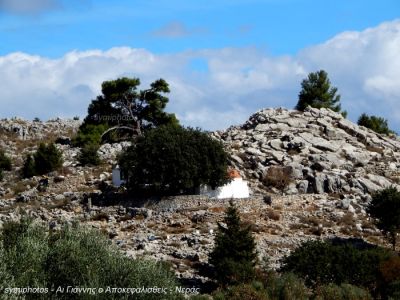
x: 237, y: 188
x: 116, y: 176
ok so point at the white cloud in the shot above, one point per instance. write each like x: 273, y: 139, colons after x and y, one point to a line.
x: 236, y: 82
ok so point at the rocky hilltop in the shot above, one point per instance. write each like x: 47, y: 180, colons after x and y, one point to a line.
x: 311, y: 174
x: 312, y: 152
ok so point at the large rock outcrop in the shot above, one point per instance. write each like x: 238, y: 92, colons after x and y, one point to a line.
x: 315, y: 151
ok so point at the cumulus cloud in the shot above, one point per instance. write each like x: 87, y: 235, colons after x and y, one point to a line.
x: 28, y: 6
x: 236, y: 82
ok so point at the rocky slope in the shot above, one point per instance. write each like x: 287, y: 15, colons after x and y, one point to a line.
x: 311, y: 174
x: 317, y: 151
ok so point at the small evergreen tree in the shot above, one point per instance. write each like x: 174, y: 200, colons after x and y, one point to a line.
x: 234, y: 255
x: 377, y: 124
x: 5, y: 161
x: 89, y: 156
x: 385, y: 207
x: 28, y: 169
x: 47, y: 159
x: 317, y: 92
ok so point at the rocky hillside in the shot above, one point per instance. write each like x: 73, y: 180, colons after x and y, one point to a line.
x: 317, y: 151
x: 311, y: 174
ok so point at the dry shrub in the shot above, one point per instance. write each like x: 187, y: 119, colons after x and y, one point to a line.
x: 278, y: 177
x: 217, y: 209
x: 390, y: 269
x: 273, y: 215
x: 347, y: 219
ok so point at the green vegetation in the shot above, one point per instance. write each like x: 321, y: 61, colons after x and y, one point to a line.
x: 170, y: 160
x: 325, y: 263
x: 377, y: 124
x: 342, y: 292
x: 89, y: 156
x: 125, y: 111
x: 77, y: 257
x: 385, y: 208
x: 234, y: 255
x: 89, y: 134
x: 5, y: 163
x: 317, y: 92
x: 46, y: 159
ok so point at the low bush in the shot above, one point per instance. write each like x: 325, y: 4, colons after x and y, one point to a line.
x: 277, y: 177
x: 89, y: 134
x: 342, y: 292
x: 5, y: 161
x: 77, y: 257
x: 46, y: 159
x: 89, y: 156
x: 322, y: 263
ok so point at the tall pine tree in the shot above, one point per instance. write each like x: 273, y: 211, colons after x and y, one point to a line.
x: 316, y: 91
x: 234, y: 255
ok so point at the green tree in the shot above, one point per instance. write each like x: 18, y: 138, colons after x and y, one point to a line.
x: 89, y: 156
x: 377, y: 124
x: 123, y: 108
x: 234, y: 255
x: 319, y: 263
x: 5, y: 161
x: 28, y: 169
x: 385, y: 208
x: 47, y: 159
x: 174, y: 160
x: 317, y: 92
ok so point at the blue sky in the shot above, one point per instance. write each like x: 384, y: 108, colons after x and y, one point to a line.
x: 224, y: 59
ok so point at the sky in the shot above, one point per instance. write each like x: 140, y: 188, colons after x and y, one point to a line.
x: 224, y: 59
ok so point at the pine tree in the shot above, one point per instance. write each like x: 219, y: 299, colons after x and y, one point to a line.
x: 317, y: 92
x: 47, y: 159
x: 28, y: 170
x: 234, y: 255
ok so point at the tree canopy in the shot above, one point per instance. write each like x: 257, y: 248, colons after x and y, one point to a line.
x: 377, y: 124
x: 316, y: 91
x: 171, y: 159
x: 385, y: 208
x: 122, y: 107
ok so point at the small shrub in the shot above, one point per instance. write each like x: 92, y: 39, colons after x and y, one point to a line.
x: 28, y: 169
x: 89, y: 156
x: 277, y: 177
x: 323, y: 263
x: 89, y: 134
x: 241, y: 292
x: 385, y: 208
x: 273, y: 215
x: 342, y: 292
x: 286, y: 286
x: 47, y: 159
x: 5, y: 161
